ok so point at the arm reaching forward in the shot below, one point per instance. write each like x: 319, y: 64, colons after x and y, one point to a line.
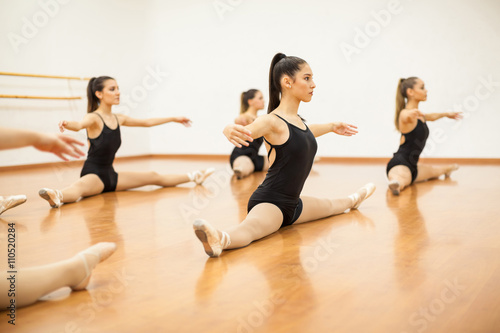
x: 339, y: 128
x: 60, y: 145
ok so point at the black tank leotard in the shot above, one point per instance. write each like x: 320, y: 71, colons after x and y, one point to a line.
x: 409, y: 152
x: 286, y: 176
x: 252, y: 151
x: 102, y: 154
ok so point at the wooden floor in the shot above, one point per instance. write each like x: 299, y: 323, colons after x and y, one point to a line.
x: 426, y: 261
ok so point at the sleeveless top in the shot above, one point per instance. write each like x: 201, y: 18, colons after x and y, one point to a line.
x: 292, y: 164
x: 414, y: 142
x: 103, y: 149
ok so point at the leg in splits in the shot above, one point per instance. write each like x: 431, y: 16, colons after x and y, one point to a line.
x: 265, y: 218
x: 399, y: 177
x: 75, y: 273
x: 91, y: 184
x: 261, y: 221
x: 427, y: 172
x: 243, y: 166
x: 86, y: 186
x: 129, y: 180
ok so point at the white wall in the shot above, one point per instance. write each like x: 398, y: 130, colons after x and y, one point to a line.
x: 208, y: 51
x: 78, y: 38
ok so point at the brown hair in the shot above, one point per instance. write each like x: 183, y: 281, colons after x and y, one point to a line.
x: 281, y: 65
x: 403, y: 86
x: 245, y: 97
x: 95, y: 84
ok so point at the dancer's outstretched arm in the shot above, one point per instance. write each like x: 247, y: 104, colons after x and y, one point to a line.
x: 436, y: 116
x: 75, y: 126
x: 150, y: 122
x: 339, y: 128
x: 59, y: 145
x: 240, y: 135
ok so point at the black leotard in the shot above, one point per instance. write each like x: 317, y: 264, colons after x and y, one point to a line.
x: 286, y: 177
x: 409, y: 152
x: 102, y: 154
x: 252, y: 151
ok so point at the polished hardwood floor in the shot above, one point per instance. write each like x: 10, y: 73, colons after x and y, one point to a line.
x: 426, y: 261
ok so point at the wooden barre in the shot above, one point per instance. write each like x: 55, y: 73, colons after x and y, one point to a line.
x: 46, y: 76
x: 39, y: 97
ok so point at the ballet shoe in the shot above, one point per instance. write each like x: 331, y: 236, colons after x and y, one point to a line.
x: 454, y: 167
x: 11, y: 201
x: 358, y: 199
x: 54, y: 197
x: 394, y: 186
x: 101, y: 251
x: 199, y: 176
x: 209, y: 237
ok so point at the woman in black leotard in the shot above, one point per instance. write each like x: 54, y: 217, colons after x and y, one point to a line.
x: 246, y: 160
x: 103, y: 131
x: 403, y: 169
x: 291, y: 148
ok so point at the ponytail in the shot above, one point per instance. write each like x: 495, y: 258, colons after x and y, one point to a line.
x: 245, y: 97
x: 403, y: 86
x: 95, y: 84
x: 281, y: 65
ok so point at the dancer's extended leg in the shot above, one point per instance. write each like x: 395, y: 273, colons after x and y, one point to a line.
x: 243, y: 166
x: 316, y: 208
x: 35, y: 282
x: 427, y: 172
x: 261, y: 221
x: 129, y: 180
x: 86, y: 186
x: 399, y: 178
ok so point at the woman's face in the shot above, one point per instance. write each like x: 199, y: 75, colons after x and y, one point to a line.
x: 418, y: 92
x: 110, y: 94
x: 303, y: 85
x: 257, y: 101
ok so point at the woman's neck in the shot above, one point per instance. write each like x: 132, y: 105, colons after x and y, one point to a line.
x: 412, y: 104
x: 252, y: 111
x: 289, y: 105
x: 104, y: 109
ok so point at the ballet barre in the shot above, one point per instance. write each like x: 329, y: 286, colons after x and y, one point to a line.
x: 46, y: 76
x: 39, y: 97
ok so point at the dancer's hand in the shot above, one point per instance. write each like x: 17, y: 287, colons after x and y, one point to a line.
x: 60, y: 145
x: 454, y: 115
x: 344, y: 129
x: 183, y: 120
x: 62, y: 125
x: 238, y: 135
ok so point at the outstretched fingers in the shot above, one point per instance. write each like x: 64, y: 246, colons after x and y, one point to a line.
x: 238, y: 135
x: 69, y: 146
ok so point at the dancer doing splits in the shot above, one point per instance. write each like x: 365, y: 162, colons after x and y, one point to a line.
x: 404, y: 169
x: 246, y: 160
x: 103, y: 131
x: 291, y: 148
